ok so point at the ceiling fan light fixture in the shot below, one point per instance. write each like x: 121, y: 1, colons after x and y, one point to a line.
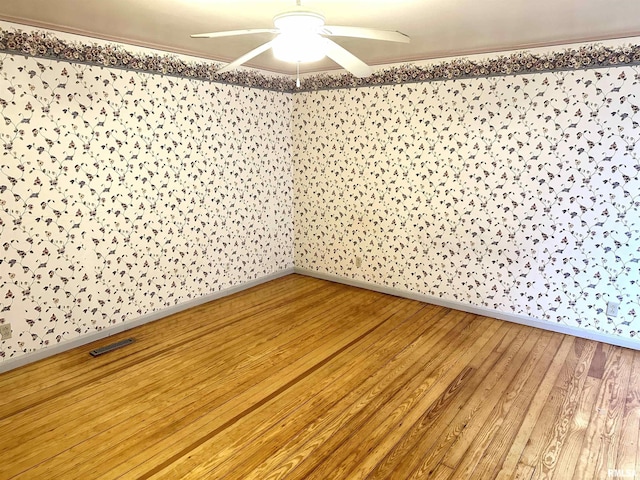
x: 300, y: 38
x: 299, y: 47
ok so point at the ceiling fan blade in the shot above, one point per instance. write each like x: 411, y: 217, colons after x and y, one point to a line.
x: 370, y: 33
x: 246, y: 57
x: 347, y: 60
x: 232, y: 33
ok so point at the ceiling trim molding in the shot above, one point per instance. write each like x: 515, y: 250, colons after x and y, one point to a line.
x: 47, y: 45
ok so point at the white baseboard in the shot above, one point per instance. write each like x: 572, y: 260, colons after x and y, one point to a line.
x: 65, y: 345
x: 487, y: 312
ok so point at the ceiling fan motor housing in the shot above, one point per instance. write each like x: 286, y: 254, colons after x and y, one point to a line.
x: 299, y: 22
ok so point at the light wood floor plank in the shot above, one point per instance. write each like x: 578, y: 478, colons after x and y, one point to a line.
x: 454, y: 439
x: 600, y: 444
x: 301, y: 378
x: 399, y: 461
x: 315, y: 394
x: 550, y: 433
x: 64, y: 372
x: 149, y: 403
x: 372, y: 441
x: 499, y: 432
x: 383, y: 459
x: 168, y: 420
x: 628, y: 459
x: 320, y: 438
x: 523, y: 472
x: 538, y: 403
x: 226, y: 340
x: 441, y: 472
x: 327, y: 459
x: 561, y: 463
x: 289, y: 373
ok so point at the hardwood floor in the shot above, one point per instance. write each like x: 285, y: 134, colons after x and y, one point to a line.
x: 306, y: 379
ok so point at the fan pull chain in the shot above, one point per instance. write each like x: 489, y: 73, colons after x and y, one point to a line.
x: 298, y: 74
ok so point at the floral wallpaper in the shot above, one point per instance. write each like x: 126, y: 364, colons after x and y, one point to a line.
x: 518, y: 193
x: 133, y: 182
x: 124, y: 193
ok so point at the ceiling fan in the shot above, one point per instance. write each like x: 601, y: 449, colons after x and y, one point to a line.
x: 301, y: 37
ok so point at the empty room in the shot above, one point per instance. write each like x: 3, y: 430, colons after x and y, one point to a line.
x: 319, y: 239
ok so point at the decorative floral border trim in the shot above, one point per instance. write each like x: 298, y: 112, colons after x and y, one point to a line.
x: 588, y: 56
x: 46, y: 45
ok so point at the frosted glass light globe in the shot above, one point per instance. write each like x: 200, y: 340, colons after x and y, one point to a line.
x: 299, y: 40
x: 299, y: 48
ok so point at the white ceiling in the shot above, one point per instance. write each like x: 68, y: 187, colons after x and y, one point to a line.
x: 438, y: 28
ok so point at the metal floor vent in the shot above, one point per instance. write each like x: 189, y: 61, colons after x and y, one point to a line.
x: 109, y: 348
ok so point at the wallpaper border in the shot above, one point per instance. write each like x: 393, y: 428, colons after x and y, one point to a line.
x: 31, y: 357
x: 47, y: 45
x: 468, y: 308
x: 584, y: 57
